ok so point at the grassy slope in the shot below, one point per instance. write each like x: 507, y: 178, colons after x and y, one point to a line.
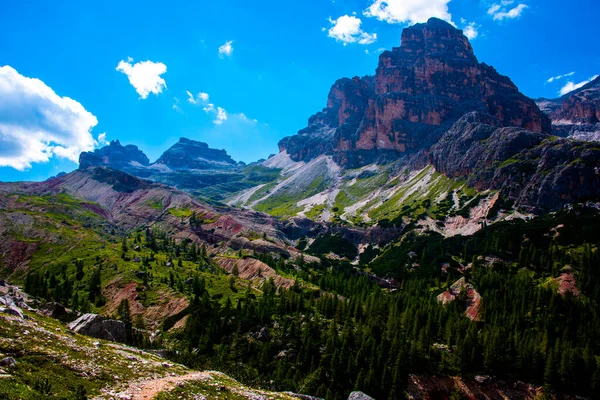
x: 55, y: 363
x: 65, y: 231
x: 413, y: 195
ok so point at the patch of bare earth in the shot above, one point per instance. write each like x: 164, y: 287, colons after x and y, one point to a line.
x: 431, y: 387
x: 567, y: 284
x: 252, y: 269
x: 117, y: 291
x: 145, y: 390
x: 473, y: 298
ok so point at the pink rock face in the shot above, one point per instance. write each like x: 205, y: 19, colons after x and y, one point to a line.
x: 419, y: 90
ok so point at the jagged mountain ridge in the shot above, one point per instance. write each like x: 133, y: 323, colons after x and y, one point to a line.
x: 185, y: 154
x: 576, y: 114
x: 188, y: 165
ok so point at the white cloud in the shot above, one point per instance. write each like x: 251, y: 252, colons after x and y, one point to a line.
x: 411, y: 11
x: 200, y: 98
x: 37, y: 124
x: 219, y: 113
x: 346, y: 29
x: 144, y: 76
x: 245, y: 118
x: 226, y: 49
x: 500, y: 11
x: 221, y: 116
x: 471, y: 30
x: 570, y: 86
x: 102, y: 139
x: 557, y: 77
x: 176, y: 105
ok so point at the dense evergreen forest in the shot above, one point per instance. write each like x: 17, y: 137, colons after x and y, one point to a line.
x: 336, y: 330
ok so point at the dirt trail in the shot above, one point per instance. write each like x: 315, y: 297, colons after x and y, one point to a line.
x: 147, y: 390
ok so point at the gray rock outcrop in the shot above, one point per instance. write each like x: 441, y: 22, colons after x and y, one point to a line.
x: 359, y: 396
x: 98, y: 327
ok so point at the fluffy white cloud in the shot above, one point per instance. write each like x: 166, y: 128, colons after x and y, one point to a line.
x: 570, y: 86
x: 412, y: 11
x: 144, y: 76
x: 501, y: 11
x: 37, y: 124
x: 346, y: 29
x: 226, y: 49
x: 557, y: 77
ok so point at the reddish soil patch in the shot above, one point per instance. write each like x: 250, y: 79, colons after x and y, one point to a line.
x: 252, y: 269
x: 116, y: 291
x: 431, y: 387
x: 567, y: 284
x: 473, y: 298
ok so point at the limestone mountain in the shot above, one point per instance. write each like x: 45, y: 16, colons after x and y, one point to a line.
x: 419, y: 90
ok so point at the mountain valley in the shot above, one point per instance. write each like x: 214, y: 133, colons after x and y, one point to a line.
x: 432, y: 233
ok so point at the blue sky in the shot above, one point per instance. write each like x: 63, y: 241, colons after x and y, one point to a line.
x: 276, y: 64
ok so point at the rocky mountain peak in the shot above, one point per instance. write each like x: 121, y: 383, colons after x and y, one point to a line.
x: 419, y: 91
x: 114, y: 155
x: 436, y: 37
x: 192, y: 154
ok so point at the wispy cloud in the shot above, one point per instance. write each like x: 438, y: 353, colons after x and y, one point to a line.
x: 220, y: 115
x: 557, y: 77
x: 102, y: 139
x: 505, y: 10
x: 570, y: 86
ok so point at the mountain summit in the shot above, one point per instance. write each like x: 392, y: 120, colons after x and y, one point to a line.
x: 190, y: 154
x: 419, y: 90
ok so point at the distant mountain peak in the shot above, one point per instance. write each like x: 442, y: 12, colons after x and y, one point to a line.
x: 114, y: 155
x: 192, y: 154
x: 577, y: 113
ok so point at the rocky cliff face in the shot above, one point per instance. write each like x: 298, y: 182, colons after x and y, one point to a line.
x: 190, y: 154
x: 536, y: 171
x: 576, y: 114
x: 347, y: 103
x: 420, y: 89
x: 114, y: 155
